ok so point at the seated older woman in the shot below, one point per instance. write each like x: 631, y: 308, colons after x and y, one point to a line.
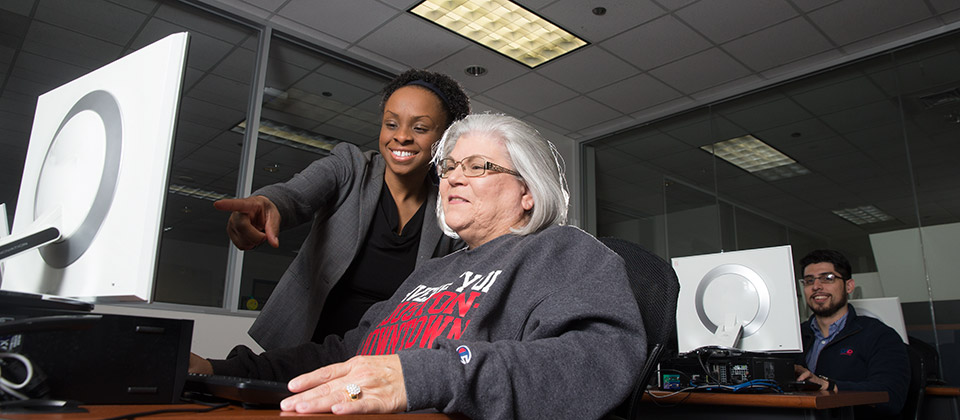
x: 532, y: 320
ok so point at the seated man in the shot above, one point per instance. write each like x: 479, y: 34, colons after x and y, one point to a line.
x: 843, y: 351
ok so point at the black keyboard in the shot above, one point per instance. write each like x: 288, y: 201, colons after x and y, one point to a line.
x: 243, y: 390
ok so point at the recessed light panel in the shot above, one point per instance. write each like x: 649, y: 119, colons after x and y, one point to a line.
x: 863, y: 215
x: 285, y: 135
x: 502, y: 26
x: 753, y: 155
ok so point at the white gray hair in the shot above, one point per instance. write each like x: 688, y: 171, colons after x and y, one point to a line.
x: 534, y: 157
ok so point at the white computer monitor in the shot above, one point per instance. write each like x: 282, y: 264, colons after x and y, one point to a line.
x: 750, y: 295
x: 95, y: 175
x: 886, y: 309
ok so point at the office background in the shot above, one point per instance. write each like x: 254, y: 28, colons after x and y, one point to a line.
x: 862, y: 94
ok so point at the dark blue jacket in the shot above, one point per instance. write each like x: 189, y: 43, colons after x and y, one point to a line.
x: 867, y: 355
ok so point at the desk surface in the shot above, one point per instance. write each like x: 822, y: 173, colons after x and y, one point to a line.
x: 811, y: 400
x: 229, y: 412
x: 943, y: 391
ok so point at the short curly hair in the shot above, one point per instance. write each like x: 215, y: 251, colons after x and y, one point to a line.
x: 456, y: 104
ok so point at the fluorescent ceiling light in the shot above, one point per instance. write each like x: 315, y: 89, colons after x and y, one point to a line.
x: 286, y: 135
x: 753, y: 155
x: 863, y: 215
x: 502, y: 26
x: 197, y: 193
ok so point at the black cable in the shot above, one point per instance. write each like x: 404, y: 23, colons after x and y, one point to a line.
x: 132, y: 416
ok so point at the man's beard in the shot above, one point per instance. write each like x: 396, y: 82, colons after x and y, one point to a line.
x: 830, y: 310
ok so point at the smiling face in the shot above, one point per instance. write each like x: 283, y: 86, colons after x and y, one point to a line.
x: 826, y: 300
x: 413, y: 119
x: 483, y: 208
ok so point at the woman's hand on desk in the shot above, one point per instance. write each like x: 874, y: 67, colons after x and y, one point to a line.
x: 804, y: 374
x: 199, y: 365
x: 380, y: 379
x: 254, y: 220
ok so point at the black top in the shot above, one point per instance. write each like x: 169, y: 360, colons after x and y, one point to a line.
x: 382, y: 264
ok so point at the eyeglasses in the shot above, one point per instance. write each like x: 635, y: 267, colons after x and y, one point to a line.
x: 828, y: 278
x: 473, y: 166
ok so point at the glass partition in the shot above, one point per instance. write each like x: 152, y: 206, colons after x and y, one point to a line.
x: 311, y: 102
x: 860, y: 158
x: 207, y: 153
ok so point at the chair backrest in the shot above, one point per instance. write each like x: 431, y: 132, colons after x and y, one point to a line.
x: 931, y: 360
x: 656, y: 288
x: 918, y: 382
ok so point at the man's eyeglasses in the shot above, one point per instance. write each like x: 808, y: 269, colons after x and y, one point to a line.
x: 828, y: 278
x: 473, y: 166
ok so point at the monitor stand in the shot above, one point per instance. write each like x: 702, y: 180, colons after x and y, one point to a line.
x: 728, y: 333
x: 46, y: 229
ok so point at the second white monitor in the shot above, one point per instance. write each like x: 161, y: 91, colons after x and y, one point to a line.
x: 757, y: 286
x: 886, y: 309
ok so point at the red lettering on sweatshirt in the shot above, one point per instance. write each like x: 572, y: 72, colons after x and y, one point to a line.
x: 419, y: 324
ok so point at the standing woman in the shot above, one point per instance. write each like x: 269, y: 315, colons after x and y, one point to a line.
x: 373, y: 217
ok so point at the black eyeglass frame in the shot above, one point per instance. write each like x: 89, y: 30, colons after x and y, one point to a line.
x: 827, y: 278
x: 487, y: 166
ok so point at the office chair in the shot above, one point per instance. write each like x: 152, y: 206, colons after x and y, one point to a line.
x: 913, y: 405
x: 931, y: 360
x: 656, y: 288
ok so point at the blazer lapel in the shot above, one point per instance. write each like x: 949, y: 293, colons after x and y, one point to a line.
x: 430, y: 232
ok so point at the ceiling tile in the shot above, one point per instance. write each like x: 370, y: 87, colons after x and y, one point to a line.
x: 577, y: 17
x: 579, y: 70
x: 578, y: 113
x: 842, y: 95
x: 862, y: 117
x: 772, y: 114
x: 778, y: 45
x: 688, y: 75
x: 112, y: 23
x: 646, y: 92
x: 500, y: 69
x: 843, y: 21
x: 656, y: 43
x: 268, y: 5
x: 808, y: 5
x: 517, y: 93
x: 723, y: 20
x: 482, y: 103
x: 674, y: 4
x: 205, y: 51
x: 622, y: 122
x: 724, y: 90
x: 189, y: 18
x: 69, y: 47
x: 349, y: 21
x: 396, y: 39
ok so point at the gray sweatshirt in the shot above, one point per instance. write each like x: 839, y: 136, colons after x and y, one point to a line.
x: 536, y: 326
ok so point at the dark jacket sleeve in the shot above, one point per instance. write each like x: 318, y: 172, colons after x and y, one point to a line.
x: 284, y: 364
x: 321, y: 186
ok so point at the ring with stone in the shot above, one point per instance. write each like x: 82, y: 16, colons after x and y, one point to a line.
x: 354, y: 391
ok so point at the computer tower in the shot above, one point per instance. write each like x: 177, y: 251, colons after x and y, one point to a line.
x: 101, y: 358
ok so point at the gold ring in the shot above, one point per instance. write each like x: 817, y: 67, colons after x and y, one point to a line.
x: 353, y: 390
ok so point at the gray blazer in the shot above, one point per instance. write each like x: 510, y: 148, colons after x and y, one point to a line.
x: 340, y: 193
